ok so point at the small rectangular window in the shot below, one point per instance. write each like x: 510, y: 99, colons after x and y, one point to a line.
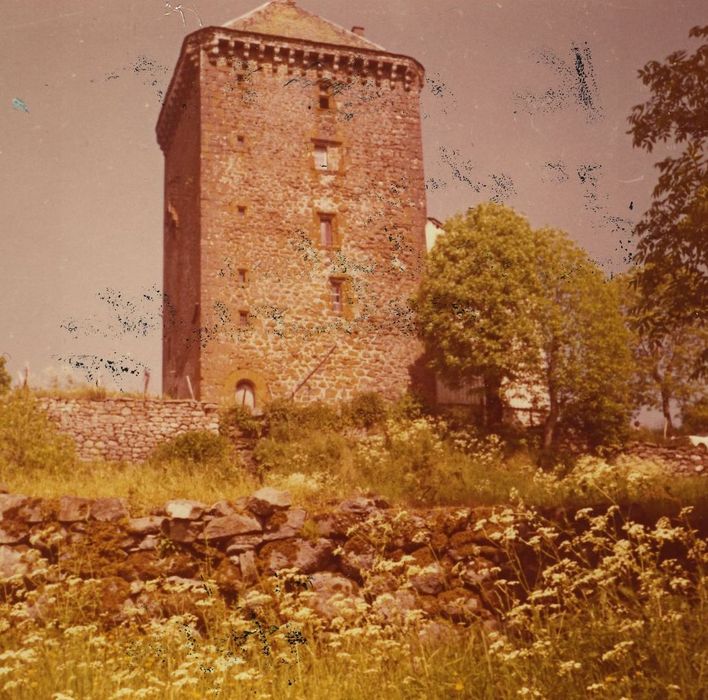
x: 243, y: 319
x: 240, y: 138
x: 336, y: 295
x: 321, y: 160
x: 242, y: 275
x: 241, y: 210
x: 324, y: 97
x: 326, y: 232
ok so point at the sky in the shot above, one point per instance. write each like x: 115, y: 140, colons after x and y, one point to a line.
x: 526, y: 103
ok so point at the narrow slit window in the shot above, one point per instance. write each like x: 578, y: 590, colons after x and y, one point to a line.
x: 321, y: 157
x: 326, y: 231
x: 336, y: 295
x: 242, y: 276
x: 324, y: 97
x: 243, y: 319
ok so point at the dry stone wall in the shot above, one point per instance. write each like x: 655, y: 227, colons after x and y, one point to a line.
x: 689, y: 461
x: 359, y: 554
x: 127, y: 429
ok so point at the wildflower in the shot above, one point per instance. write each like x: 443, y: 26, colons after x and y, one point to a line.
x: 567, y: 667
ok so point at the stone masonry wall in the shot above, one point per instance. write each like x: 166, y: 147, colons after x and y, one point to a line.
x: 689, y: 461
x: 265, y: 313
x: 125, y: 428
x: 440, y: 561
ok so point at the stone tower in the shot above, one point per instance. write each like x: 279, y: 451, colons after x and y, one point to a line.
x: 294, y: 211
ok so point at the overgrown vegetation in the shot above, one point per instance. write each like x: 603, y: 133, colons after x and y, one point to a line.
x: 29, y: 441
x: 607, y: 608
x: 321, y: 452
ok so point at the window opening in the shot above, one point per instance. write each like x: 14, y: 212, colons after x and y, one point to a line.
x: 246, y: 394
x: 325, y: 102
x: 326, y: 231
x: 336, y: 296
x: 321, y: 157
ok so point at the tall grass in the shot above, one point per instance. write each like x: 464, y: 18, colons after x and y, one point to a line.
x: 617, y: 611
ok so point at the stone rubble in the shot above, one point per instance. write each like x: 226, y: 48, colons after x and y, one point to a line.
x: 245, y: 544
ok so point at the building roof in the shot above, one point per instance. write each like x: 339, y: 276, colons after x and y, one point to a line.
x: 284, y: 18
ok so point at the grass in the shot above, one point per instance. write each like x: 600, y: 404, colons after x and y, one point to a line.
x: 611, y: 615
x: 408, y: 458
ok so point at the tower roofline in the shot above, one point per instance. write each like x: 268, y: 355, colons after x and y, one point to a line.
x: 202, y: 38
x: 268, y: 15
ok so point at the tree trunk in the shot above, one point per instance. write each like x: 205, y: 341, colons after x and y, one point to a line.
x: 493, y: 407
x: 549, y: 427
x: 666, y: 410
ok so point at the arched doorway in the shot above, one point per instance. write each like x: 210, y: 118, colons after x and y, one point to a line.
x: 246, y: 394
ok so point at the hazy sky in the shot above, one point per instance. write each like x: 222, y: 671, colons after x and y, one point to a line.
x: 526, y: 102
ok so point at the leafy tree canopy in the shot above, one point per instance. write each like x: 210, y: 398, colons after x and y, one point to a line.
x: 665, y: 355
x: 673, y: 234
x: 474, y: 305
x: 585, y: 362
x: 504, y: 302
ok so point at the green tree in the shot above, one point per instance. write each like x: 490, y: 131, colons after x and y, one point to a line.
x: 5, y: 378
x: 529, y: 308
x: 694, y: 417
x: 585, y: 363
x: 475, y: 306
x: 665, y: 355
x: 673, y: 240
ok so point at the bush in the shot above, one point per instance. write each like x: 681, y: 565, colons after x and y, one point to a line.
x: 286, y: 420
x: 237, y: 419
x: 318, y: 452
x: 5, y: 378
x: 694, y: 418
x: 365, y: 410
x: 28, y: 439
x: 197, y: 447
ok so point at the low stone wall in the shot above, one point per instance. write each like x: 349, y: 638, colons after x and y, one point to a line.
x: 359, y: 554
x: 126, y: 428
x: 690, y: 461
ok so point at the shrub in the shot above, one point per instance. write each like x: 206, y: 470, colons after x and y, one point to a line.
x: 28, y: 439
x: 238, y: 419
x: 365, y: 410
x: 197, y: 447
x: 408, y: 406
x: 5, y: 378
x: 316, y: 452
x: 694, y: 418
x: 287, y: 420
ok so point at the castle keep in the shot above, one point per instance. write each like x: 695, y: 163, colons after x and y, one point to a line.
x: 294, y: 211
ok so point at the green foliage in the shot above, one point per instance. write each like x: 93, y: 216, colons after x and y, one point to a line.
x: 195, y: 447
x: 29, y: 441
x: 672, y: 235
x: 665, y: 355
x: 239, y: 420
x: 507, y: 303
x: 365, y: 410
x: 287, y: 420
x: 317, y: 452
x: 586, y: 365
x: 476, y: 304
x: 694, y: 417
x: 5, y: 378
